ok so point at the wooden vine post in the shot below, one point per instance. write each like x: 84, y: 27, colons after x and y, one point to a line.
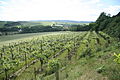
x: 54, y: 65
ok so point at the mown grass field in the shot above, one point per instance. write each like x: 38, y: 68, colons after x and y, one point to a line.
x: 92, y: 59
x: 50, y: 23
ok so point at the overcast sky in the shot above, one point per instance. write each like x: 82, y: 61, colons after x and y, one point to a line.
x: 82, y: 10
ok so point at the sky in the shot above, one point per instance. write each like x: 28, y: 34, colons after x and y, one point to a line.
x: 78, y: 10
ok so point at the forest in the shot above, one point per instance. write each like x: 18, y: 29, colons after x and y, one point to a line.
x: 107, y: 24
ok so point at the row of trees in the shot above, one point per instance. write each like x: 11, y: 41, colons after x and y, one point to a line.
x: 79, y: 28
x: 28, y: 29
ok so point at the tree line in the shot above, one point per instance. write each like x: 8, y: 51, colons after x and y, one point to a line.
x: 9, y: 27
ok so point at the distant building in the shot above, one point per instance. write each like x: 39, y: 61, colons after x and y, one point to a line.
x: 61, y: 25
x: 20, y: 30
x: 0, y: 33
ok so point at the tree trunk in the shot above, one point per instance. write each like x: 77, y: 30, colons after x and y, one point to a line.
x: 41, y: 47
x: 69, y: 54
x: 57, y: 75
x: 1, y: 54
x: 98, y: 41
x: 26, y: 60
x: 41, y: 61
x: 35, y: 73
x: 3, y: 51
x: 6, y: 75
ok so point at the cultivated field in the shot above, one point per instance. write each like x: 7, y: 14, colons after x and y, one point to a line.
x: 5, y: 40
x: 59, y: 56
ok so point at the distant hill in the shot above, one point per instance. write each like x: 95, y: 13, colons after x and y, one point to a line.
x: 39, y: 22
x: 42, y: 26
x: 70, y: 21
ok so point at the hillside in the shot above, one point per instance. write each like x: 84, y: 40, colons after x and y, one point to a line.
x: 108, y: 24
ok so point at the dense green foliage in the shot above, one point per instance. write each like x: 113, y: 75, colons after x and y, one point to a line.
x: 39, y: 28
x: 79, y: 28
x: 117, y: 59
x: 107, y: 24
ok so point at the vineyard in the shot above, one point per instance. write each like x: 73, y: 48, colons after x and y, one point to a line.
x: 61, y: 56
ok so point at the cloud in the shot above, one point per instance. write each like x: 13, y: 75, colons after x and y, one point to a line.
x: 3, y: 3
x: 112, y: 9
x: 53, y: 9
x: 94, y: 1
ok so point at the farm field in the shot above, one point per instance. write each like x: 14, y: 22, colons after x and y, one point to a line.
x: 4, y: 40
x: 50, y: 23
x: 59, y: 56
